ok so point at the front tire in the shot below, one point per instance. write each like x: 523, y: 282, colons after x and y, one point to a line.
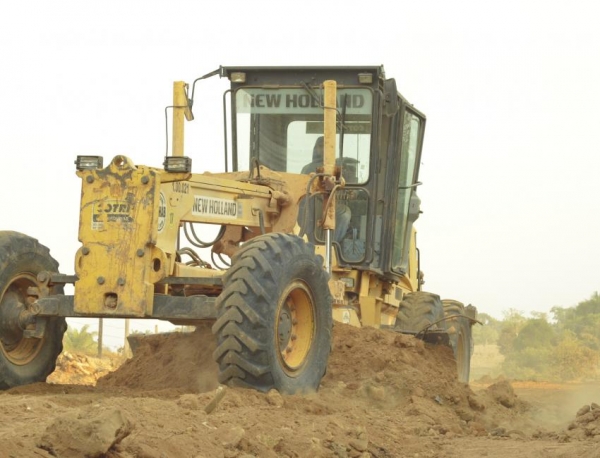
x: 274, y: 324
x: 24, y: 360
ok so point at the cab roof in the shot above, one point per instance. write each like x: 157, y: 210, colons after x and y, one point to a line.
x: 296, y: 75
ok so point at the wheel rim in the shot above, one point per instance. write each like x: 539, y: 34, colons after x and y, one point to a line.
x: 16, y: 348
x: 295, y: 326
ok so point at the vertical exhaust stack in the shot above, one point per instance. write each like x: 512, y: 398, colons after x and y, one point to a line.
x: 180, y: 105
x: 329, y: 115
x: 329, y: 121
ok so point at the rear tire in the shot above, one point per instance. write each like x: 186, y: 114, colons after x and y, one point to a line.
x: 458, y: 328
x: 274, y: 320
x: 418, y: 311
x: 24, y: 360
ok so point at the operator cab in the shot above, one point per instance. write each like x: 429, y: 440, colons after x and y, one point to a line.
x: 277, y: 122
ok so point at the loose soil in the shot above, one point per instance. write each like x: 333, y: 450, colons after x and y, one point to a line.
x: 384, y: 395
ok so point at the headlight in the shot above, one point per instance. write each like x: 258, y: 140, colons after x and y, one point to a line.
x: 178, y: 164
x: 88, y: 162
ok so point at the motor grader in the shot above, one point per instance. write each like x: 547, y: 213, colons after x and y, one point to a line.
x: 297, y: 246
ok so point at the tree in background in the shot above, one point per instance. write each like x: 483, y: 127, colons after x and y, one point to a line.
x: 535, y: 333
x: 531, y: 354
x: 488, y: 332
x: 568, y: 348
x: 80, y: 340
x: 574, y: 360
x: 583, y: 321
x: 511, y: 326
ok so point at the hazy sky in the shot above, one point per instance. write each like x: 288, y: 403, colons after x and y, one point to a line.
x: 511, y: 163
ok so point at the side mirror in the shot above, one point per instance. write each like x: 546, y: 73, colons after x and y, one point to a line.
x: 390, y: 103
x: 414, y: 208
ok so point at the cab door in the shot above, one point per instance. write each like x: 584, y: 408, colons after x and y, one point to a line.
x: 407, y: 203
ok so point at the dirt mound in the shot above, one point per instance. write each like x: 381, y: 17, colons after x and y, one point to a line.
x: 394, y: 371
x: 379, y: 386
x: 374, y: 369
x: 384, y: 395
x: 586, y: 425
x: 175, y: 361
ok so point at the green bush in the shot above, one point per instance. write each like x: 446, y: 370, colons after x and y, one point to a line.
x: 563, y: 350
x: 80, y: 341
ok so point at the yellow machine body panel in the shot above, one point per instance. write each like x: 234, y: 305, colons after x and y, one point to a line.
x: 130, y: 219
x: 222, y: 199
x: 377, y: 300
x: 118, y: 264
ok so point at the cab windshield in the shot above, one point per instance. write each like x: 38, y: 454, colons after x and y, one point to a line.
x: 282, y: 129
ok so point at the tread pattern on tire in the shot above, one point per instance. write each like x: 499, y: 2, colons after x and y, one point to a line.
x: 244, y: 329
x: 418, y: 310
x: 19, y: 249
x: 462, y: 326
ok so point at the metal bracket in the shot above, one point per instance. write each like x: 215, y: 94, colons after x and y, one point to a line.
x: 38, y: 331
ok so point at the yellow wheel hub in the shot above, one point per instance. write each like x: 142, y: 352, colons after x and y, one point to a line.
x: 294, y: 326
x: 17, y: 349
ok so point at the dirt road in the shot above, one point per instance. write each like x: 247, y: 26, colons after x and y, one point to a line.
x: 384, y: 395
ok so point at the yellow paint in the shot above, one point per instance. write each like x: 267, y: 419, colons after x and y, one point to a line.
x: 329, y: 134
x: 181, y: 109
x: 118, y: 262
x: 329, y: 126
x: 370, y: 311
x: 346, y: 315
x: 129, y: 222
x: 378, y: 300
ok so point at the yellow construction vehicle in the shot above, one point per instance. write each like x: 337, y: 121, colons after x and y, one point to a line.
x: 315, y: 224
